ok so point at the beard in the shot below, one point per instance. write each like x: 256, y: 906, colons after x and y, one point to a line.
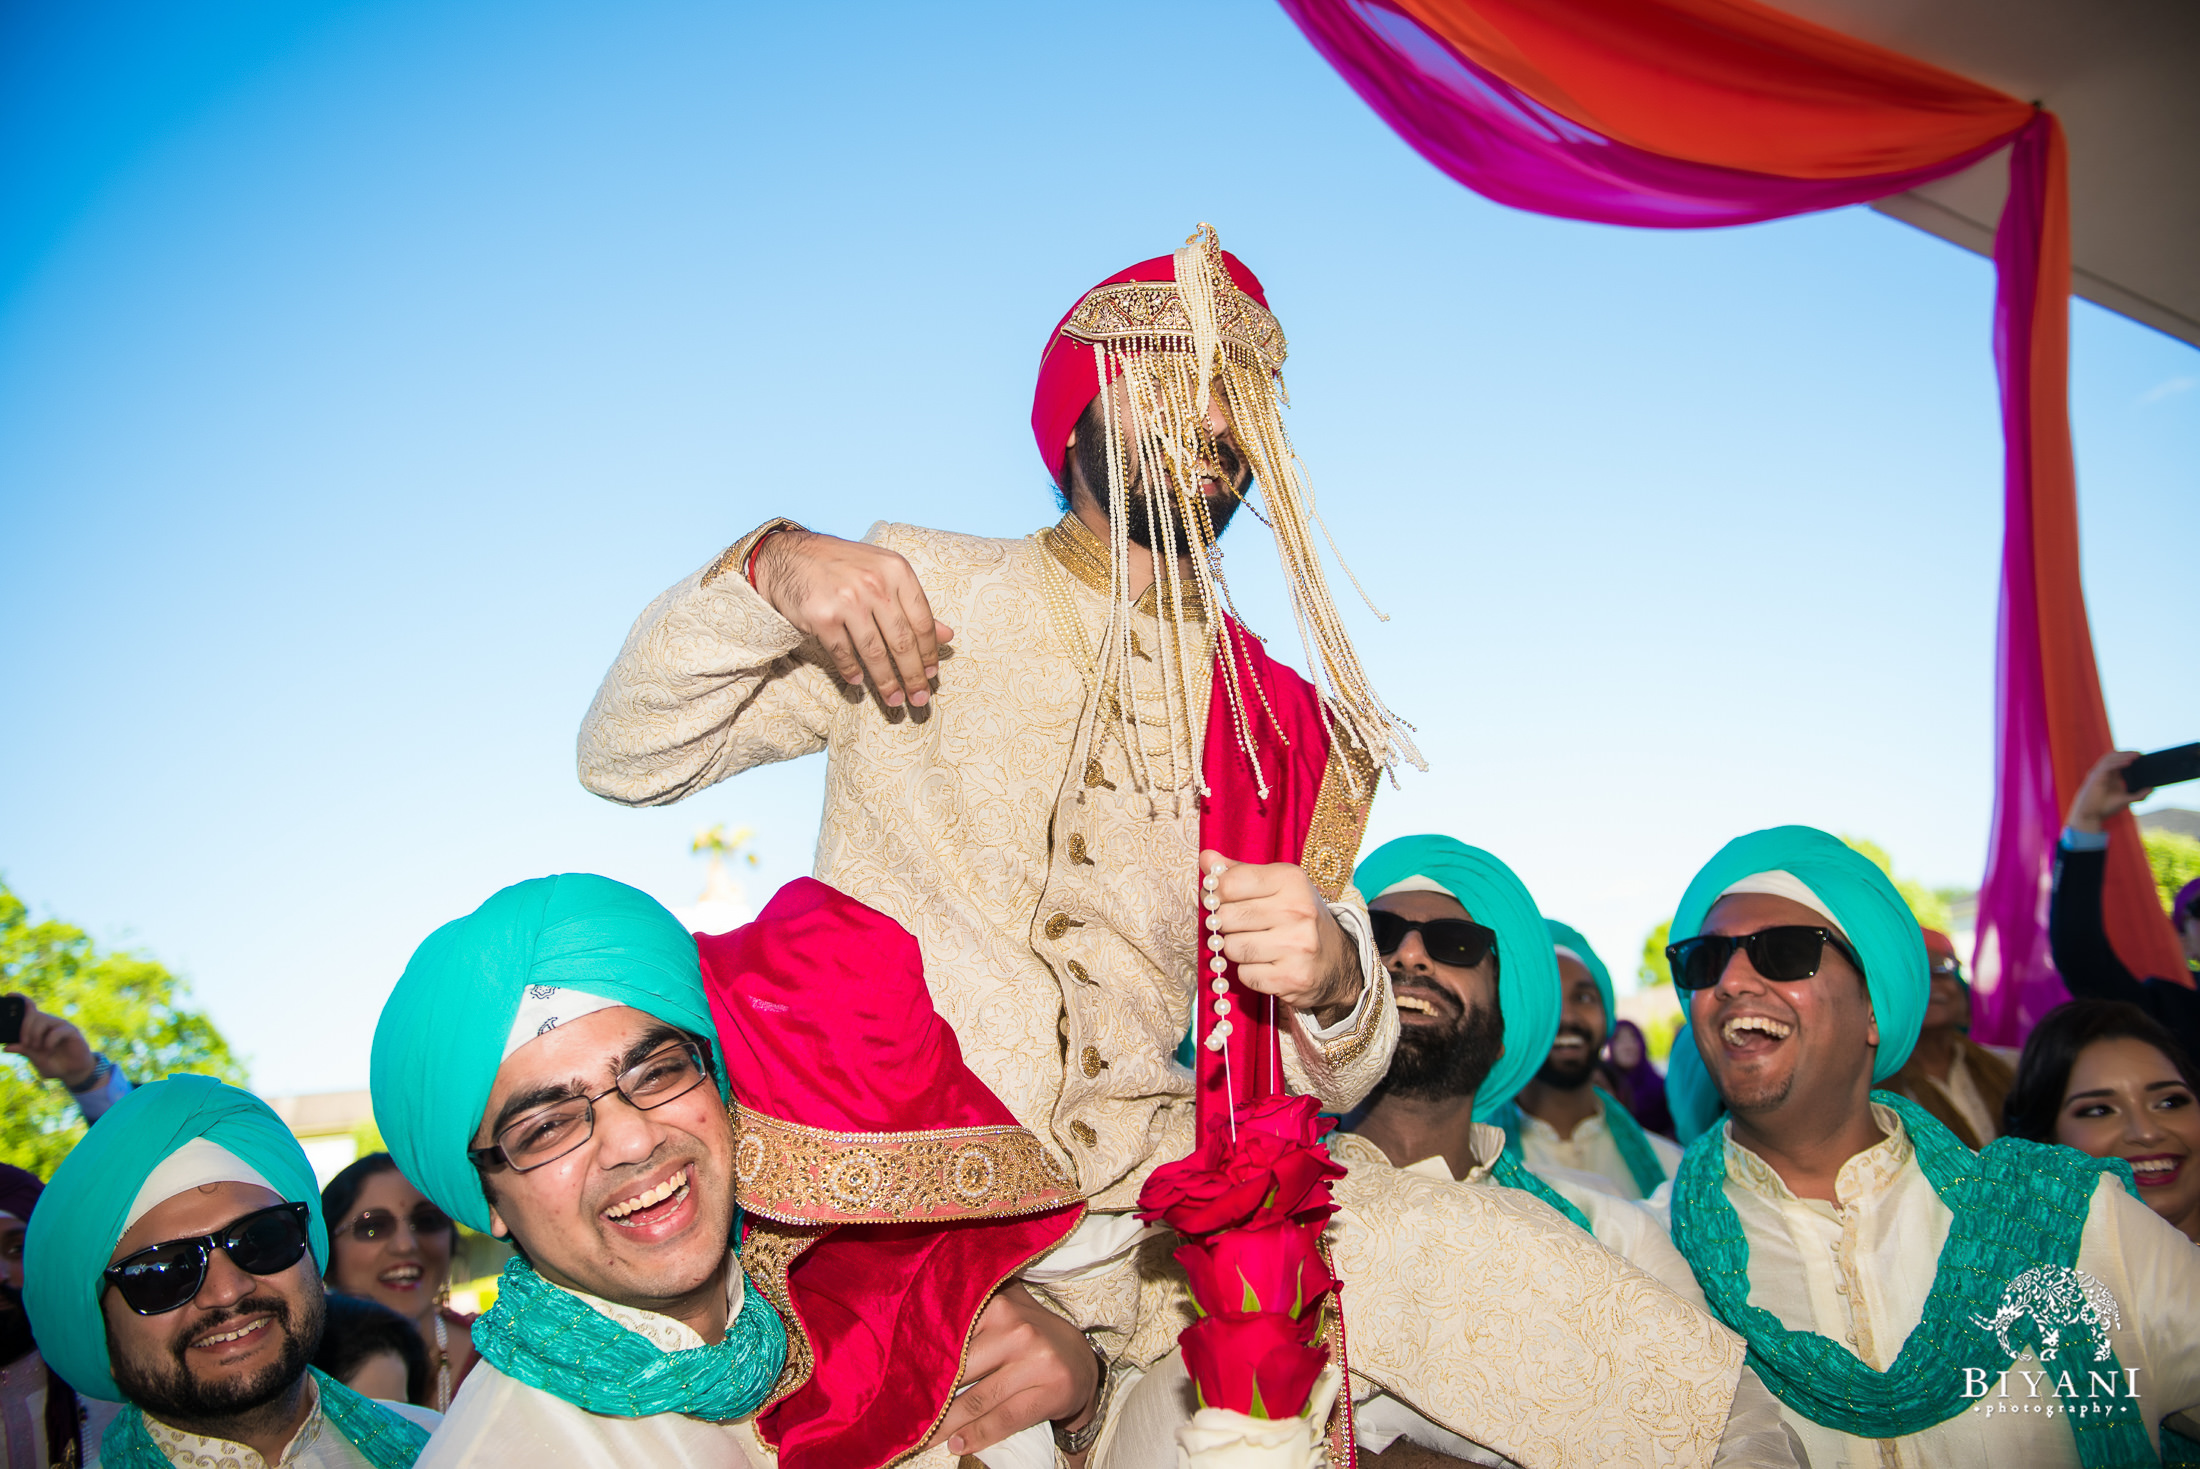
x: 1434, y: 1062
x: 1142, y: 523
x: 1570, y: 1076
x: 15, y: 1327
x: 162, y: 1383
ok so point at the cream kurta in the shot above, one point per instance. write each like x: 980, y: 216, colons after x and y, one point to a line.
x: 1859, y: 1272
x: 1054, y: 903
x: 1590, y: 1150
x: 316, y: 1444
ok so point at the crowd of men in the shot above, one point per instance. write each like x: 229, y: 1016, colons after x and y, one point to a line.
x: 859, y: 1183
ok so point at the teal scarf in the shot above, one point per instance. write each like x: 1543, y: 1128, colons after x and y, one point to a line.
x: 1512, y: 1173
x: 2016, y: 1205
x: 551, y: 1339
x: 1627, y: 1135
x: 386, y: 1440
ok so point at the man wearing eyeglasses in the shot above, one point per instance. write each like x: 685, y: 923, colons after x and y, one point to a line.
x: 1472, y: 969
x: 1909, y: 1301
x: 174, y: 1265
x: 544, y: 1071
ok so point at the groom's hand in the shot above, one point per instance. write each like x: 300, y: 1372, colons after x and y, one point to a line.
x: 863, y: 605
x: 1026, y: 1365
x: 1279, y: 933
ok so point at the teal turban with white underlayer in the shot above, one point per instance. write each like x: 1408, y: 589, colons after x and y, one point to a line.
x: 1824, y: 873
x: 537, y: 953
x: 158, y: 1141
x: 1575, y: 943
x: 1527, y: 969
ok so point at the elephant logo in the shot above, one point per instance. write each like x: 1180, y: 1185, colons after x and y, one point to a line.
x: 2056, y: 1298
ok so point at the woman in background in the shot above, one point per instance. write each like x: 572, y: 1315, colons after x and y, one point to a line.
x: 389, y: 1245
x: 2106, y: 1078
x: 374, y: 1351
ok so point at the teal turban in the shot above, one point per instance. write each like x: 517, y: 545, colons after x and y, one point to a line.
x: 442, y: 1034
x: 80, y: 1216
x: 1690, y: 1094
x: 1527, y: 970
x: 1861, y: 902
x: 1568, y: 937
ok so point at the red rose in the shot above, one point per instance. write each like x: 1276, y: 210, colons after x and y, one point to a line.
x: 1255, y: 1178
x: 1294, y: 1119
x: 1248, y: 1271
x: 1261, y: 1366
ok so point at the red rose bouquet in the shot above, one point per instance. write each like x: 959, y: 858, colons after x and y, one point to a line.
x: 1251, y: 1209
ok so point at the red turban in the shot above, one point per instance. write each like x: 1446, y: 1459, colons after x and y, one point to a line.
x: 1069, y: 371
x: 1938, y: 946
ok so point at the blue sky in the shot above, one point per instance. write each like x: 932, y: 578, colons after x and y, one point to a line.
x: 366, y: 367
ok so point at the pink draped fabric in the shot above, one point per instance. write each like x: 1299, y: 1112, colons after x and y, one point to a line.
x: 1496, y: 139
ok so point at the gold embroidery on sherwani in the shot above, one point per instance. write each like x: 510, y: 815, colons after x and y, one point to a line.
x: 734, y: 559
x: 953, y: 820
x: 1490, y: 1315
x: 807, y: 1175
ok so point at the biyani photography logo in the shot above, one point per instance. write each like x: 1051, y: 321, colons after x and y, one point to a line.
x: 2057, y: 1301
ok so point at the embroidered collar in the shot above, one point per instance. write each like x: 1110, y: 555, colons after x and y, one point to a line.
x: 662, y: 1332
x: 1082, y: 555
x: 1588, y: 1127
x: 189, y: 1449
x: 1864, y: 1177
x: 1488, y: 1143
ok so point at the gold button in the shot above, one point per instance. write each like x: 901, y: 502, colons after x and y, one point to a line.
x: 1077, y: 853
x: 1060, y: 924
x: 1077, y: 972
x: 1091, y: 1062
x: 1083, y: 1134
x: 1094, y: 775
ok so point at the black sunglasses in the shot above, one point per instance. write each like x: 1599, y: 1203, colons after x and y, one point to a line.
x: 162, y: 1277
x: 1788, y: 953
x: 1460, y: 943
x: 380, y: 1224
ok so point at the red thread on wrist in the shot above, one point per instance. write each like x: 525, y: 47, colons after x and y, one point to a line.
x: 749, y: 571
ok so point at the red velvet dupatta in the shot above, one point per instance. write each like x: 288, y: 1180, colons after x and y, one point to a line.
x: 889, y: 1193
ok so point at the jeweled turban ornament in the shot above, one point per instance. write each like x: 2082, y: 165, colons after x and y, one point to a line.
x: 1170, y: 332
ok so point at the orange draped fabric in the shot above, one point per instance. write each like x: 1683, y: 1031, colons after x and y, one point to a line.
x: 2077, y: 716
x: 1737, y: 85
x: 1726, y: 82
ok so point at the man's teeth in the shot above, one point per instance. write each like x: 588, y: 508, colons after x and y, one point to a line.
x: 663, y: 1191
x: 1778, y: 1030
x: 245, y: 1330
x: 1416, y: 1004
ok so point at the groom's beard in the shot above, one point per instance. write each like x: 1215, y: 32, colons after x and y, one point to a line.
x: 1453, y: 1060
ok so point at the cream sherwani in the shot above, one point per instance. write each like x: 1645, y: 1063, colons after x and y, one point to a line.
x: 316, y: 1444
x: 1859, y: 1271
x: 1590, y: 1150
x: 499, y: 1422
x: 1053, y: 900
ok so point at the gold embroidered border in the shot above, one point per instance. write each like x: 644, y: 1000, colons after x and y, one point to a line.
x: 1079, y: 552
x: 1141, y: 312
x: 1340, y: 817
x: 768, y: 1252
x: 733, y: 556
x: 806, y: 1175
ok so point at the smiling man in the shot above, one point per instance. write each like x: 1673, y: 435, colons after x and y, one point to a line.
x: 1471, y: 966
x: 174, y: 1264
x: 1561, y: 1119
x: 1909, y: 1301
x: 545, y: 1070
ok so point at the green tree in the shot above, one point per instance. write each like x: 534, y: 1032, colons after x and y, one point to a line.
x: 1928, y: 905
x: 2175, y: 860
x: 1654, y: 971
x: 129, y: 1007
